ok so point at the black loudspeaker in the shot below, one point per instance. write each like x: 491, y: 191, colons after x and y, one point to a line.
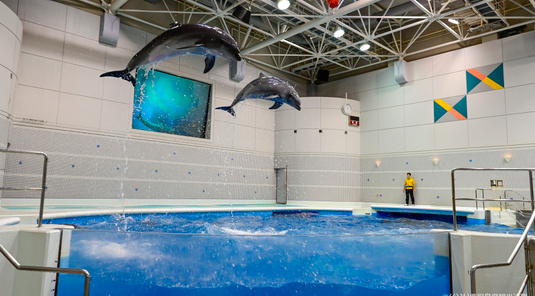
x: 242, y: 14
x: 323, y: 76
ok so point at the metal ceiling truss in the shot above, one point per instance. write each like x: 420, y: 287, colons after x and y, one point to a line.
x: 299, y: 41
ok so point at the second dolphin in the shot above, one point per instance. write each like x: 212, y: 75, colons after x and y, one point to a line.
x: 267, y: 88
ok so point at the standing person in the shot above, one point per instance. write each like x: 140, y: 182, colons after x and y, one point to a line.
x: 409, y: 188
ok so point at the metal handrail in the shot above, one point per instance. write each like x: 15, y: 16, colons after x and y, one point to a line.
x: 18, y: 266
x: 43, y: 181
x: 523, y: 241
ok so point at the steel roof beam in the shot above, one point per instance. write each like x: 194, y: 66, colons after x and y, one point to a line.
x: 311, y: 24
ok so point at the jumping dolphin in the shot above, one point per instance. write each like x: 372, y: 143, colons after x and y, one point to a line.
x: 179, y: 40
x: 267, y: 88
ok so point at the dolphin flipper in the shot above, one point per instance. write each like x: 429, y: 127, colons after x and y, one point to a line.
x: 124, y: 74
x: 277, y: 105
x: 209, y: 63
x: 228, y: 109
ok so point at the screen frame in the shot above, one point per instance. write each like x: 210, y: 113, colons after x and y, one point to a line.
x: 174, y: 138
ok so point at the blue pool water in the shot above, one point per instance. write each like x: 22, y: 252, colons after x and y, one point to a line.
x: 259, y: 253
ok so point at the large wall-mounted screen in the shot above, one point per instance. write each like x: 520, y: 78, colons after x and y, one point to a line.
x: 171, y: 104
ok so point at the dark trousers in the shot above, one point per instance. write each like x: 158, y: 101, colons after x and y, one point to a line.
x: 407, y: 193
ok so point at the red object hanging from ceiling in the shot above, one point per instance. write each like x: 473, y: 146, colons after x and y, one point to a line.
x: 333, y: 3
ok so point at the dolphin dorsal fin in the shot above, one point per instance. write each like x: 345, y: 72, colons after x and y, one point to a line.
x: 261, y: 75
x: 174, y: 25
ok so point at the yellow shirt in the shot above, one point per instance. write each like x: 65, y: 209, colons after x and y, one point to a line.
x: 409, y: 183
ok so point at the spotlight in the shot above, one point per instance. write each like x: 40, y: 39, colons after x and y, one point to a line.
x: 283, y: 4
x: 364, y: 47
x: 339, y: 32
x: 242, y: 14
x: 453, y: 21
x: 507, y: 157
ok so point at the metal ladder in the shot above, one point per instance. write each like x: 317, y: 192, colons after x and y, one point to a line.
x: 10, y: 257
x: 43, y: 181
x: 522, y: 242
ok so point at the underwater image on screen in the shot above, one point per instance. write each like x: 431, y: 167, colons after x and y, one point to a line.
x: 170, y: 104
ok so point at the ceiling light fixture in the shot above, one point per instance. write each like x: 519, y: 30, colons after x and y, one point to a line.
x: 453, y: 21
x: 364, y: 47
x: 283, y: 4
x: 339, y: 32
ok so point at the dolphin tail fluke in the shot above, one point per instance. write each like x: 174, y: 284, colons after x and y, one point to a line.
x: 124, y: 74
x: 209, y: 63
x: 228, y: 109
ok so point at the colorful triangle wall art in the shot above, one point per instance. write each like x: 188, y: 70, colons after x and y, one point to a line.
x: 484, y: 78
x: 450, y: 109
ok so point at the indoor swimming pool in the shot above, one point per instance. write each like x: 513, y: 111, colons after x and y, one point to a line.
x: 257, y: 253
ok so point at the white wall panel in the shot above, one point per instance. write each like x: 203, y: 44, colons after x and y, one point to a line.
x: 333, y: 141
x: 117, y: 59
x: 222, y: 133
x: 449, y: 62
x: 452, y: 134
x: 311, y: 102
x: 385, y: 77
x: 364, y: 82
x: 485, y: 104
x: 391, y: 140
x: 520, y: 99
x: 418, y: 91
x: 390, y: 117
x: 116, y: 90
x: 244, y: 137
x: 36, y: 103
x: 46, y: 13
x: 421, y: 69
x: 245, y: 114
x: 420, y: 113
x: 131, y: 38
x: 308, y: 141
x: 333, y: 119
x: 487, y: 131
x: 484, y: 54
x: 368, y: 100
x: 390, y: 96
x: 331, y: 103
x: 285, y: 141
x: 84, y: 52
x: 5, y: 89
x: 265, y: 140
x: 9, y: 17
x: 369, y: 120
x: 9, y: 48
x: 39, y: 72
x: 449, y: 85
x: 519, y: 46
x: 369, y: 142
x: 519, y: 72
x: 420, y: 138
x: 520, y: 128
x: 265, y: 119
x: 308, y: 118
x: 83, y: 24
x: 285, y: 120
x: 115, y: 117
x: 43, y: 41
x: 79, y: 111
x: 81, y: 81
x: 353, y: 142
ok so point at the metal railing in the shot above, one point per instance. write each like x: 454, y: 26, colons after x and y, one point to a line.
x: 43, y: 181
x: 18, y: 266
x: 522, y: 242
